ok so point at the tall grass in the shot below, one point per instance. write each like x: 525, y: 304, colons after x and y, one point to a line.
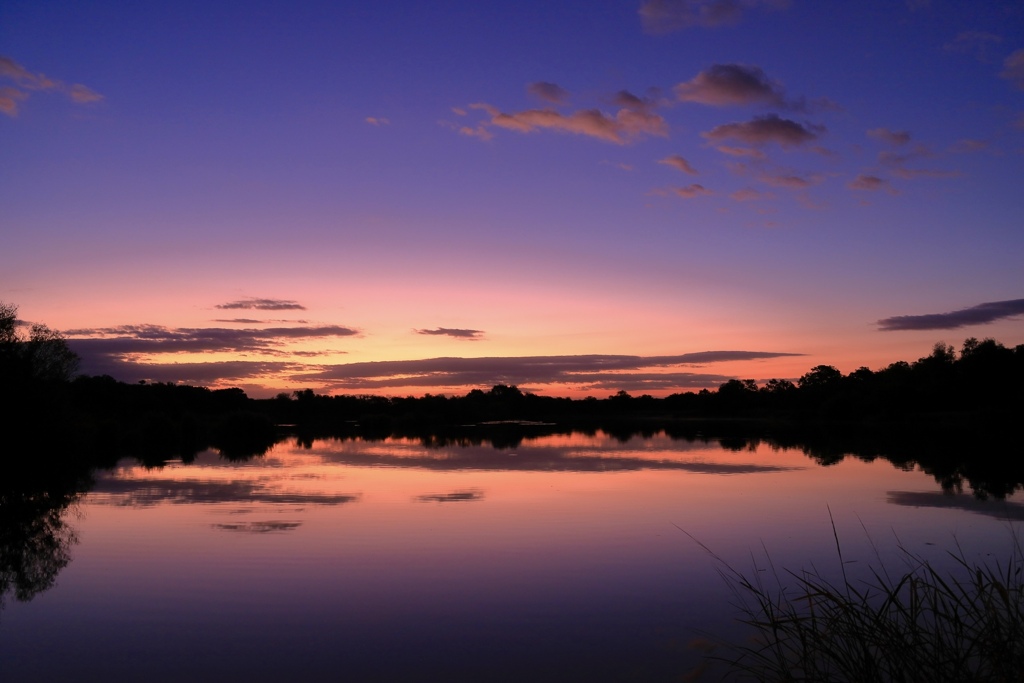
x: 964, y: 624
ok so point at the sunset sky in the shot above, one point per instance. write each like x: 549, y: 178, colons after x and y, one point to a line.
x: 574, y: 197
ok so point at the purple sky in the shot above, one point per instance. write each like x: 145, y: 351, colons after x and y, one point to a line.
x: 404, y: 197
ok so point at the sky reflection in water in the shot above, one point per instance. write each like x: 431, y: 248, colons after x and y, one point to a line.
x: 560, y: 559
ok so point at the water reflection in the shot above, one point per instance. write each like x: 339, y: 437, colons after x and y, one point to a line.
x: 1002, y: 509
x: 35, y: 536
x: 453, y: 497
x: 558, y: 453
x: 957, y: 459
x: 457, y: 558
x: 258, y: 527
x: 125, y: 486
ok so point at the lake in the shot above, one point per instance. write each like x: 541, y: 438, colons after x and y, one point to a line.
x: 565, y: 557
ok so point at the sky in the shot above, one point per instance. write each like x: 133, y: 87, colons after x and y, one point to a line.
x: 574, y: 197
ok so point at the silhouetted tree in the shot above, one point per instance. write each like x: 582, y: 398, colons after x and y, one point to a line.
x: 777, y: 387
x: 820, y: 377
x: 41, y: 356
x: 737, y: 395
x: 986, y: 369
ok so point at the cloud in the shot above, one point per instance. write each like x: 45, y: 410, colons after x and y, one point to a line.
x: 731, y: 84
x: 690, y: 191
x: 201, y: 374
x: 612, y: 371
x: 747, y: 194
x: 618, y: 164
x: 83, y: 95
x: 453, y: 332
x: 1013, y: 69
x: 747, y: 152
x: 263, y: 305
x: 9, y: 98
x: 911, y: 173
x: 126, y: 353
x: 982, y: 314
x: 678, y: 162
x: 762, y: 130
x: 478, y: 132
x: 896, y: 162
x: 893, y: 158
x: 890, y: 137
x: 687, y: 192
x: 254, y: 321
x: 244, y: 321
x: 27, y: 80
x: 790, y: 181
x: 871, y: 183
x: 377, y: 121
x: 626, y: 125
x: 160, y: 339
x: 978, y: 43
x: 24, y: 78
x: 968, y: 145
x: 665, y: 16
x: 549, y: 92
x: 824, y: 104
x: 626, y: 99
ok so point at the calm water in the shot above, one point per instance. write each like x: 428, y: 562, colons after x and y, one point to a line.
x: 561, y: 559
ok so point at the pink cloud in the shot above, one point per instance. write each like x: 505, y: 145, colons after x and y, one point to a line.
x: 665, y: 16
x: 26, y: 80
x: 911, y: 173
x: 9, y: 98
x: 678, y: 162
x: 748, y: 194
x: 741, y: 151
x: 790, y: 181
x: 895, y: 163
x: 891, y: 137
x: 478, y: 132
x: 890, y: 158
x: 691, y: 191
x: 619, y: 165
x: 731, y: 84
x: 871, y: 183
x: 549, y: 92
x: 763, y: 130
x: 626, y: 99
x: 83, y: 95
x: 626, y: 125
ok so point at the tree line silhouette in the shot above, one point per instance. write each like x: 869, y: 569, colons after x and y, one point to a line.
x: 978, y: 389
